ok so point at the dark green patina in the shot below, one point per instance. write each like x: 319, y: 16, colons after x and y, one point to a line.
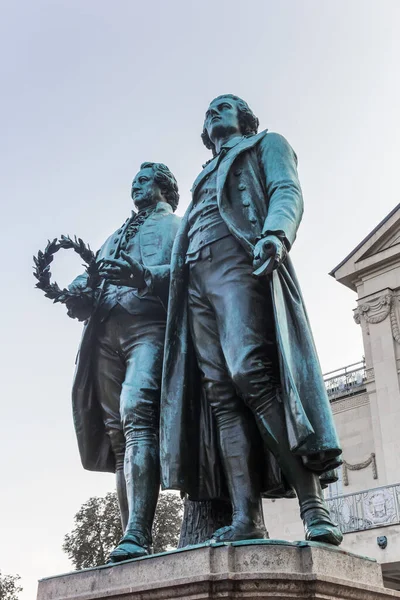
x: 116, y: 391
x: 197, y: 360
x: 244, y: 410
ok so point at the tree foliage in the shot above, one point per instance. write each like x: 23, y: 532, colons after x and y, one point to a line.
x: 97, y: 529
x: 167, y: 522
x: 9, y: 587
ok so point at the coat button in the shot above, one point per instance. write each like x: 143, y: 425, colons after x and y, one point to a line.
x: 241, y: 187
x: 237, y: 172
x: 112, y: 251
x: 119, y: 231
x: 246, y: 203
x: 253, y: 220
x: 116, y: 240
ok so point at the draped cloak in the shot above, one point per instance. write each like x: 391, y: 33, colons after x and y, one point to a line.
x: 258, y: 193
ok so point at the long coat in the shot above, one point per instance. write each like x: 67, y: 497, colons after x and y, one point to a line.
x: 156, y: 236
x: 258, y: 192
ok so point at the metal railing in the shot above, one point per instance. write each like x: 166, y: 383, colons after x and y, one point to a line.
x: 345, y: 381
x: 368, y: 509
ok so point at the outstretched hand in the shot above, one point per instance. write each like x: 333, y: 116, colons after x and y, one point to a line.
x: 127, y: 272
x: 272, y: 248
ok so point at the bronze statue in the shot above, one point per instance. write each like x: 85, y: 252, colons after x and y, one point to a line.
x: 244, y: 410
x: 116, y: 391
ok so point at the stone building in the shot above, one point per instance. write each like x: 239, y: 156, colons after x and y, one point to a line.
x: 365, y: 399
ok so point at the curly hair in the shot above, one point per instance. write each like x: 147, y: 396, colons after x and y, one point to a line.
x: 166, y: 181
x: 247, y: 120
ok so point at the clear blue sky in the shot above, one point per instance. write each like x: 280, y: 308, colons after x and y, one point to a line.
x: 90, y: 89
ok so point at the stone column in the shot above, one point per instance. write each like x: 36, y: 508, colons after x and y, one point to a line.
x: 377, y: 315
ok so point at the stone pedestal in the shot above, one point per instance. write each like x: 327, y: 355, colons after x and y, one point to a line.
x: 241, y: 570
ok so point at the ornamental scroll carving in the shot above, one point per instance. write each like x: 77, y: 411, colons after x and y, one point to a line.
x: 377, y: 311
x: 357, y: 467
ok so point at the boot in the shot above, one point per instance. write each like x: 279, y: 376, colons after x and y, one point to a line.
x: 118, y: 447
x: 319, y: 526
x: 270, y: 419
x: 142, y: 476
x: 238, y: 459
x: 121, y: 495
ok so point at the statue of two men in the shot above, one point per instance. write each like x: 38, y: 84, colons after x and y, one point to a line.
x: 241, y: 410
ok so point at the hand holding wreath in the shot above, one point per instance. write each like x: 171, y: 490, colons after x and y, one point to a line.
x: 81, y: 295
x: 80, y: 302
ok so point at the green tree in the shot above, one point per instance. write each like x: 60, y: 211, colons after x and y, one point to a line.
x: 9, y: 587
x: 97, y: 529
x: 167, y: 522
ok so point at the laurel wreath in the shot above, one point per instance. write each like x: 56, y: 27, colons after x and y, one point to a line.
x: 42, y: 271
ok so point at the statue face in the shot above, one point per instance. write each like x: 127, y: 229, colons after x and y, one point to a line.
x: 145, y: 191
x: 222, y: 119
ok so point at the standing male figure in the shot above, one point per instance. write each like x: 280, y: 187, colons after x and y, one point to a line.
x: 116, y: 391
x: 246, y: 336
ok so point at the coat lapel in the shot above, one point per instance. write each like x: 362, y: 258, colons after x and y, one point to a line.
x: 207, y: 169
x: 231, y: 156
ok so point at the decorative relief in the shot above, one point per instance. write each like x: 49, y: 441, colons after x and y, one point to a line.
x: 357, y: 467
x: 380, y: 507
x: 366, y: 510
x: 369, y: 374
x: 349, y: 403
x: 377, y: 311
x: 394, y: 325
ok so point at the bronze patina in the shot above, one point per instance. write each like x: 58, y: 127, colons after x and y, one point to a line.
x: 197, y: 365
x: 244, y: 409
x: 117, y: 385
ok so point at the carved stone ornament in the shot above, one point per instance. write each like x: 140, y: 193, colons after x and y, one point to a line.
x: 357, y: 467
x: 377, y: 311
x: 368, y: 509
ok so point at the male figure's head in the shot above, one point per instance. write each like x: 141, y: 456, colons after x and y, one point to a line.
x: 227, y: 116
x: 153, y: 184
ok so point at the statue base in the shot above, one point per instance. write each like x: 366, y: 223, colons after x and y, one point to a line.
x: 242, y: 570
